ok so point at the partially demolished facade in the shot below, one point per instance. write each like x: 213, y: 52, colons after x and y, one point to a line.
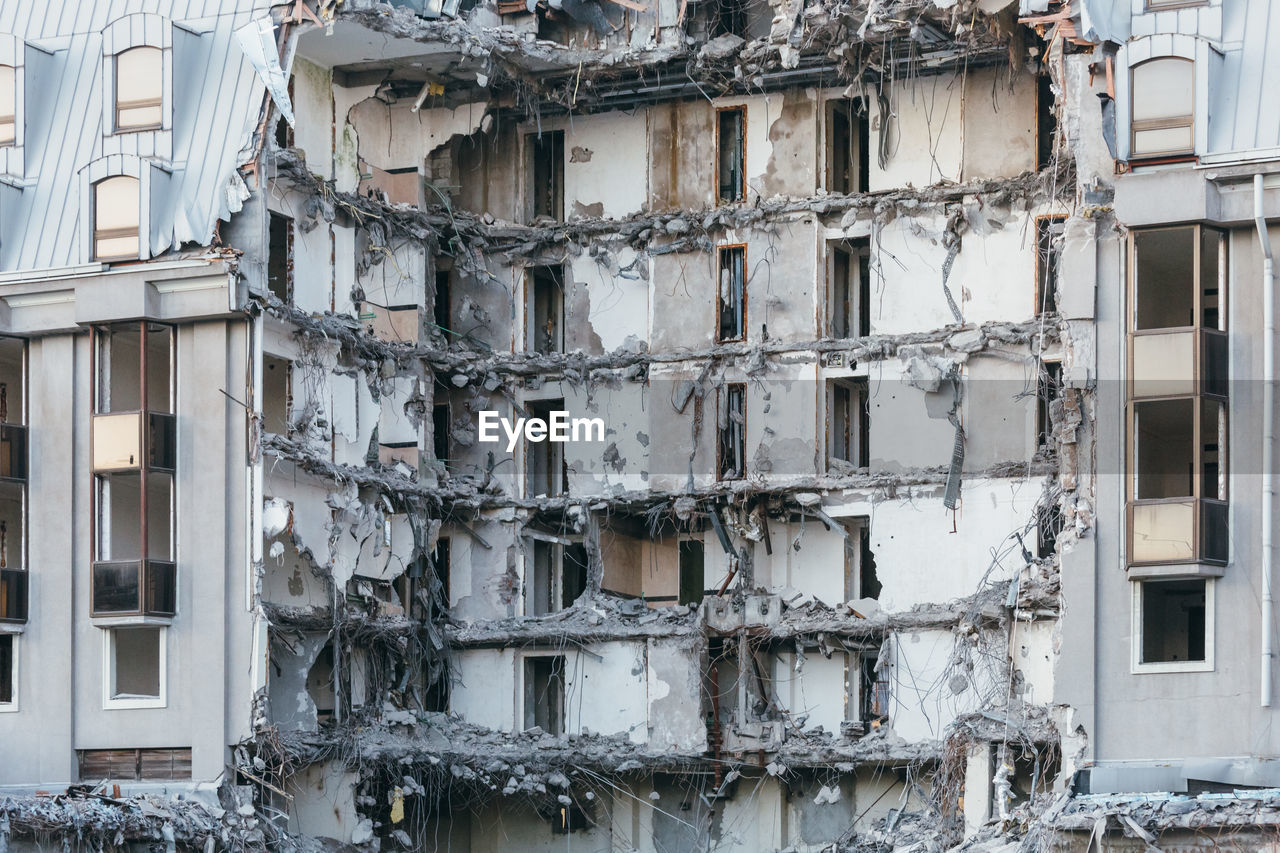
x: 836, y: 302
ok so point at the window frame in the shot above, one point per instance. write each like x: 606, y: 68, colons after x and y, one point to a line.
x: 723, y: 395
x: 1136, y: 664
x: 144, y: 468
x: 857, y: 428
x: 721, y: 253
x: 12, y: 141
x: 720, y: 199
x: 1170, y: 123
x: 522, y: 661
x: 118, y: 106
x: 15, y: 672
x: 1201, y: 394
x: 97, y: 234
x: 1046, y: 260
x: 109, y: 703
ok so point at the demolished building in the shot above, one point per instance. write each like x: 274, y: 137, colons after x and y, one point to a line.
x: 894, y: 518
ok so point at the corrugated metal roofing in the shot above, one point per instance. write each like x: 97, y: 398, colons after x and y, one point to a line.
x: 214, y: 97
x: 1248, y: 110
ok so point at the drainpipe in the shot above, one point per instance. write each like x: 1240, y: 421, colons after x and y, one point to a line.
x: 1268, y: 432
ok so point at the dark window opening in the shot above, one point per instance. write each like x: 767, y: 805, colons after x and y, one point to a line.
x: 546, y: 151
x: 692, y: 571
x: 732, y: 432
x: 868, y: 581
x: 544, y: 690
x: 440, y: 569
x: 1173, y: 621
x: 284, y: 132
x: 1049, y: 230
x: 545, y: 310
x: 557, y: 577
x: 277, y: 394
x: 440, y: 421
x: 849, y: 290
x: 441, y: 306
x: 8, y: 687
x: 849, y: 422
x: 1050, y: 524
x: 573, y: 573
x: 280, y: 258
x: 135, y: 764
x: 1048, y: 389
x: 848, y: 138
x: 544, y: 460
x: 1046, y: 122
x: 875, y: 691
x: 569, y: 819
x: 320, y: 683
x: 731, y: 155
x: 731, y: 317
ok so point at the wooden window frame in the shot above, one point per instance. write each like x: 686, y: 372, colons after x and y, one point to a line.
x: 742, y: 178
x: 721, y: 252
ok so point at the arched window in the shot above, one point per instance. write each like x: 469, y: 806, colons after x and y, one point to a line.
x: 115, y: 218
x: 139, y: 89
x: 8, y: 106
x: 1163, y: 107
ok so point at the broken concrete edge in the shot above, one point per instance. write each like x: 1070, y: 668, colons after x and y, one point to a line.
x: 362, y: 349
x: 204, y: 819
x: 462, y: 234
x: 465, y: 494
x: 839, y: 45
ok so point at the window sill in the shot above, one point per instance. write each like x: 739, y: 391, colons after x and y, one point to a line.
x: 13, y: 627
x: 133, y: 704
x: 131, y: 620
x: 8, y: 707
x: 1173, y: 666
x: 1176, y: 570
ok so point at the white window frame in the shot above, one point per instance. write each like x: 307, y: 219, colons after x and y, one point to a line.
x: 108, y: 663
x: 12, y: 707
x: 1136, y: 666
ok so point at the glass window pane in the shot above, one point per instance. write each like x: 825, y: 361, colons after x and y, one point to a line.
x: 159, y: 368
x: 119, y: 522
x: 1163, y: 140
x: 1162, y: 532
x: 139, y: 79
x: 1164, y: 455
x: 1164, y: 364
x: 12, y: 518
x: 1213, y: 437
x: 1173, y: 621
x: 160, y: 516
x: 1212, y: 281
x: 115, y: 204
x: 138, y: 117
x: 1164, y: 269
x: 8, y: 100
x: 137, y: 663
x: 119, y: 369
x: 1163, y: 88
x: 119, y: 247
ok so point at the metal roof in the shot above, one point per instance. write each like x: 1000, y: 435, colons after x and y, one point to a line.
x: 213, y: 98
